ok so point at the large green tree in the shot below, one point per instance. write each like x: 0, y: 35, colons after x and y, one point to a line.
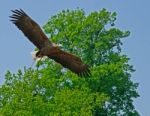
x: 48, y: 89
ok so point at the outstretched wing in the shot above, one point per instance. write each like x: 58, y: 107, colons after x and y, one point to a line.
x: 34, y: 33
x: 71, y: 62
x: 29, y: 27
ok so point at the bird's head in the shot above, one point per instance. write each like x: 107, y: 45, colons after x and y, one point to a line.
x: 34, y: 55
x: 37, y: 56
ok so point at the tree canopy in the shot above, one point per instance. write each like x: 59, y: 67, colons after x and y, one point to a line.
x: 48, y: 89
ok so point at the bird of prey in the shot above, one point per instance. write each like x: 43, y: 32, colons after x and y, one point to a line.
x: 47, y: 48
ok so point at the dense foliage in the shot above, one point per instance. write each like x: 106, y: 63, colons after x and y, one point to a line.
x: 49, y: 89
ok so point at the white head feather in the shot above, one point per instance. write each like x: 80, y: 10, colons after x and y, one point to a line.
x: 34, y: 57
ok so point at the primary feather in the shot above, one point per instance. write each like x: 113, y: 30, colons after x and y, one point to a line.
x: 29, y: 27
x: 46, y: 48
x: 72, y: 62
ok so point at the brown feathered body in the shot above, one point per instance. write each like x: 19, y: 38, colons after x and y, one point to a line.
x: 46, y: 48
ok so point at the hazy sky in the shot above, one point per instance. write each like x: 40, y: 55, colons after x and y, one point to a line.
x: 133, y: 15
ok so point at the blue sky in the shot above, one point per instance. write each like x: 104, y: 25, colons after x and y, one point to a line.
x: 133, y: 15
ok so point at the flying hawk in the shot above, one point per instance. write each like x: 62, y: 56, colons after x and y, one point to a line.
x: 46, y: 48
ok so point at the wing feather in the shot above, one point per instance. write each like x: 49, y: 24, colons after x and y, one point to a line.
x: 71, y: 62
x: 29, y: 27
x: 35, y: 34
